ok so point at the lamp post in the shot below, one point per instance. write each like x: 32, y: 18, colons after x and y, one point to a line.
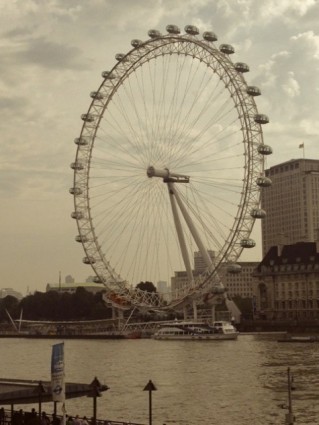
x: 150, y: 387
x: 41, y: 390
x: 96, y: 388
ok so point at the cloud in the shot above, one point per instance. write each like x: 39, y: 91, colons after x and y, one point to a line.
x: 307, y: 42
x: 52, y: 55
x: 24, y: 49
x: 11, y: 104
x: 291, y: 87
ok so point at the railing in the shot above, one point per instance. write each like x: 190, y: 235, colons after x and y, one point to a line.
x: 18, y: 417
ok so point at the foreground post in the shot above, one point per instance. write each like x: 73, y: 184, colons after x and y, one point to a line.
x: 290, y: 416
x: 96, y: 388
x: 41, y: 390
x: 150, y: 387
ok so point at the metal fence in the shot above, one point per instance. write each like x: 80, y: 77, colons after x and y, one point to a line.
x: 19, y: 417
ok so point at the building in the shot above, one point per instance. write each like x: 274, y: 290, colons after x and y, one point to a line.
x: 72, y: 287
x: 9, y: 291
x: 240, y: 284
x: 69, y: 279
x: 291, y: 203
x: 237, y: 284
x: 199, y: 262
x: 162, y: 288
x: 180, y: 279
x: 288, y: 282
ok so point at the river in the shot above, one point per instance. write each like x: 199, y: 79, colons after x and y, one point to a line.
x: 198, y: 382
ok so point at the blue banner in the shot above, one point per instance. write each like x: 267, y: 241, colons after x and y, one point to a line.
x: 57, y: 373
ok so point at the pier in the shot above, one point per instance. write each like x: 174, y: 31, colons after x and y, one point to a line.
x: 15, y: 392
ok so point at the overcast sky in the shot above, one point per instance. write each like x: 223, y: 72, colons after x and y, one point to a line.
x: 52, y: 55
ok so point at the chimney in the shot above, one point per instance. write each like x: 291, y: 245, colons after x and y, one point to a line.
x: 279, y: 249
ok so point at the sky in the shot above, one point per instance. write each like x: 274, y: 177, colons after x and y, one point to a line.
x: 52, y: 56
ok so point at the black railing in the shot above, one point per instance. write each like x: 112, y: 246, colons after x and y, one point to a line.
x: 18, y: 417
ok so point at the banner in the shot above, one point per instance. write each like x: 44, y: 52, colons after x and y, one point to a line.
x: 57, y: 373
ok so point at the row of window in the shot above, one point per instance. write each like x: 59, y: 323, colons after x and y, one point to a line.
x: 290, y: 267
x: 296, y: 285
x: 309, y: 314
x: 282, y: 168
x: 297, y: 304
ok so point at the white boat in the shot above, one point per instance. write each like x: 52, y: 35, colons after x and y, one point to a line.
x: 187, y: 330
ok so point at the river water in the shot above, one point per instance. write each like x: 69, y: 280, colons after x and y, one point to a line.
x: 198, y: 382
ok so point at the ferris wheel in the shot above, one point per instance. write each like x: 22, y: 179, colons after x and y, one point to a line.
x: 169, y: 167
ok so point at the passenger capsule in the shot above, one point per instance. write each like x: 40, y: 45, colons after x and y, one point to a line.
x: 96, y: 95
x: 264, y: 149
x: 75, y: 191
x: 77, y: 166
x: 120, y: 57
x: 241, y: 67
x: 81, y: 238
x: 261, y: 119
x: 263, y: 181
x: 210, y: 36
x: 88, y: 117
x: 247, y: 243
x: 77, y: 215
x: 108, y: 75
x: 258, y: 213
x: 136, y: 43
x: 234, y: 268
x: 154, y: 33
x: 191, y: 30
x: 218, y: 290
x: 173, y: 29
x: 81, y: 141
x: 253, y: 91
x: 88, y: 260
x: 227, y: 49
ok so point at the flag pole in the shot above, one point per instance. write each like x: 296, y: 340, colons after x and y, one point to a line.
x: 302, y: 145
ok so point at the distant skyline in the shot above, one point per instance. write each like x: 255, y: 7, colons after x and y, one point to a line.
x: 52, y: 57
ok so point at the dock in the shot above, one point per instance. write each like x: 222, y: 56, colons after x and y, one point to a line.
x: 15, y: 392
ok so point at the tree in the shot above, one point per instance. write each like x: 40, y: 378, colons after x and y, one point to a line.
x: 245, y: 305
x: 9, y: 304
x: 60, y: 306
x: 146, y: 286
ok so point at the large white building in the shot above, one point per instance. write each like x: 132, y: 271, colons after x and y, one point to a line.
x: 72, y: 287
x: 291, y: 203
x: 237, y: 284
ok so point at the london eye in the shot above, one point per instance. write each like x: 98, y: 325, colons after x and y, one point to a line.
x: 169, y: 164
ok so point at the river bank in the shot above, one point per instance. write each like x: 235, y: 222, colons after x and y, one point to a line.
x: 289, y: 326
x: 77, y: 332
